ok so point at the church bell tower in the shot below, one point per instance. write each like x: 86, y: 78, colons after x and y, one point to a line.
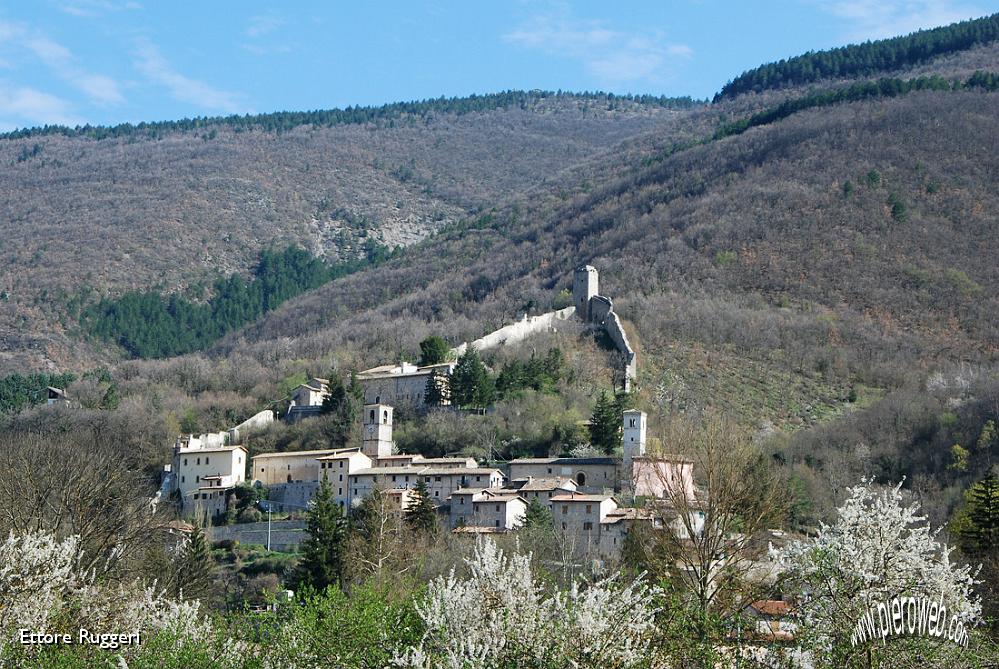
x: 377, y: 426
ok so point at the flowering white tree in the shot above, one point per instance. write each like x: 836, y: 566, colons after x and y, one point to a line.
x: 879, y: 549
x: 502, y: 616
x: 35, y: 569
x: 43, y: 588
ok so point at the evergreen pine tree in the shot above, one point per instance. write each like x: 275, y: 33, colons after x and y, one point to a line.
x: 470, y: 382
x: 195, y: 566
x: 343, y: 404
x: 605, y: 425
x: 537, y: 517
x: 437, y: 391
x: 980, y: 534
x: 421, y: 515
x: 433, y: 350
x: 322, y: 562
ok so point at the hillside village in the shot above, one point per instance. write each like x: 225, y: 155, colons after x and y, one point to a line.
x: 584, y: 494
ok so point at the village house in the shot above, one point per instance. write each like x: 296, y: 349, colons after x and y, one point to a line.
x: 336, y: 469
x: 541, y: 489
x: 441, y: 482
x: 578, y: 518
x: 307, y: 399
x: 204, y: 473
x: 398, y: 501
x: 272, y: 469
x: 364, y: 482
x: 56, y: 396
x: 404, y: 384
x: 496, y: 508
x: 596, y: 473
x: 772, y: 618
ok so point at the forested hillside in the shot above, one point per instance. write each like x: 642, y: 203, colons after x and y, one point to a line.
x: 869, y: 58
x: 95, y: 213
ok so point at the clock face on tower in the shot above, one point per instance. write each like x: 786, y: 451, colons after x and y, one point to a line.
x: 371, y: 430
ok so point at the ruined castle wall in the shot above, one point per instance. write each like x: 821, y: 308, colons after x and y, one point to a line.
x: 522, y: 329
x: 615, y: 330
x: 600, y: 308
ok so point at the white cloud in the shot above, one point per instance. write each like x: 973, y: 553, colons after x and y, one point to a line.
x: 29, y: 106
x: 90, y: 8
x: 99, y: 88
x: 159, y: 71
x: 888, y: 18
x: 263, y: 24
x: 613, y: 56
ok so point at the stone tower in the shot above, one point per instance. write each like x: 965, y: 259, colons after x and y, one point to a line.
x: 585, y: 282
x: 377, y: 420
x: 634, y: 437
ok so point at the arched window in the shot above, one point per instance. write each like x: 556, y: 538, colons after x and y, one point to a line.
x: 581, y: 479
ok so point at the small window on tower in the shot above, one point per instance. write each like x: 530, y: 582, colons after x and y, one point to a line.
x: 372, y: 416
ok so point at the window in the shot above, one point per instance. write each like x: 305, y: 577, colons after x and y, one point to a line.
x: 565, y: 509
x: 197, y: 479
x: 371, y: 416
x: 563, y: 526
x: 437, y: 493
x: 341, y: 477
x: 407, y: 479
x: 478, y: 478
x: 587, y: 526
x: 497, y: 522
x: 199, y: 461
x: 631, y: 422
x: 385, y: 417
x: 339, y: 491
x: 438, y: 478
x: 461, y: 500
x: 262, y: 470
x: 393, y: 478
x: 185, y: 462
x: 549, y: 470
x: 589, y: 508
x: 289, y: 468
x: 426, y: 479
x: 341, y: 464
x: 181, y: 479
x: 497, y: 508
x: 206, y: 459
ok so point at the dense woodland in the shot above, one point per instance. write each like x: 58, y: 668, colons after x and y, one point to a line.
x: 869, y: 58
x: 151, y: 325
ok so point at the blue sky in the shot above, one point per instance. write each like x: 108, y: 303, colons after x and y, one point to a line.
x: 109, y: 61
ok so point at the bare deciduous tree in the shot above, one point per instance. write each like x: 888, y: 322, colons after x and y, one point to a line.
x: 710, y: 542
x: 77, y: 484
